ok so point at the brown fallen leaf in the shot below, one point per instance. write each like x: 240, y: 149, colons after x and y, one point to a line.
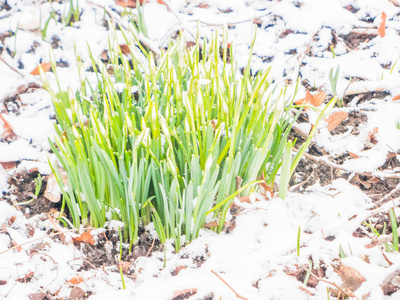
x: 77, y: 293
x: 186, y: 292
x: 53, y: 191
x: 372, y: 137
x: 124, y: 265
x: 382, y: 25
x: 265, y: 189
x: 351, y: 278
x: 211, y: 224
x: 27, y: 277
x: 45, y: 66
x: 8, y: 165
x: 125, y: 49
x: 8, y: 134
x: 76, y: 279
x: 85, y: 237
x: 396, y: 98
x: 37, y: 296
x: 353, y: 155
x: 314, y: 100
x: 335, y: 119
x: 3, y: 282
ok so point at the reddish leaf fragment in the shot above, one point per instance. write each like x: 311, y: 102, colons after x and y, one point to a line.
x: 353, y: 155
x: 314, y: 100
x: 396, y: 98
x: 37, y: 296
x: 8, y: 165
x: 45, y: 66
x: 335, y: 119
x: 53, y: 191
x: 3, y: 282
x: 76, y: 280
x: 125, y: 49
x: 211, y: 224
x: 382, y: 25
x: 77, y: 293
x: 372, y: 137
x: 183, y: 294
x: 85, y: 237
x: 177, y: 270
x: 8, y: 134
x: 28, y: 276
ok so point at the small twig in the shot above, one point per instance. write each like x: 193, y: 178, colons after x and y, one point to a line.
x: 152, y: 245
x: 296, y: 187
x: 12, y: 68
x: 231, y: 23
x: 332, y: 283
x: 236, y: 294
x: 54, y: 262
x: 387, y: 197
x: 39, y: 238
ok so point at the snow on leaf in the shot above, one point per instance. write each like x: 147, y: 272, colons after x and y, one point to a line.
x: 182, y: 294
x: 8, y: 134
x: 45, y: 67
x: 382, y: 25
x: 335, y: 119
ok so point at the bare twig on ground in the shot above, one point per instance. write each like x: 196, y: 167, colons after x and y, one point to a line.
x: 347, y: 293
x: 152, y: 245
x: 236, y: 294
x: 387, y: 197
x: 12, y: 68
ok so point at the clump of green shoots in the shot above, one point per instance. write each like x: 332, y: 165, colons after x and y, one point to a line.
x: 163, y: 140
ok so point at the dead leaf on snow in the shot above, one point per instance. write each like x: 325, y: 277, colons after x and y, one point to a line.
x: 382, y: 25
x: 3, y: 282
x: 353, y: 155
x: 53, y: 191
x: 211, y: 224
x: 37, y: 296
x: 76, y: 279
x: 125, y: 49
x: 372, y: 137
x: 28, y: 277
x: 77, y: 293
x: 396, y: 98
x: 8, y: 134
x: 314, y: 100
x: 391, y: 162
x: 351, y: 278
x: 85, y: 237
x: 45, y: 66
x: 335, y: 119
x: 187, y: 292
x: 8, y: 165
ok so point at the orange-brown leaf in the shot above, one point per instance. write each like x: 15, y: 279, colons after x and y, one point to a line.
x: 85, y: 237
x: 396, y: 98
x: 191, y: 292
x: 353, y: 155
x: 382, y: 26
x: 45, y: 67
x: 8, y: 165
x: 125, y: 49
x: 211, y: 224
x: 127, y: 3
x: 76, y: 280
x: 335, y: 119
x: 8, y: 134
x: 315, y: 100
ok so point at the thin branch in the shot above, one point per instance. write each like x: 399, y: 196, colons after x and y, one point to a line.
x: 348, y: 294
x: 237, y: 295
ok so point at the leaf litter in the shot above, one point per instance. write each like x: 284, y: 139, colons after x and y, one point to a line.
x: 351, y: 167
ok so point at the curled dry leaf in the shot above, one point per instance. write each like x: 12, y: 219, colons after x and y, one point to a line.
x: 76, y: 279
x: 85, y: 237
x: 53, y: 191
x: 45, y: 67
x: 382, y: 25
x: 186, y: 292
x: 335, y: 119
x: 8, y: 134
x: 314, y: 100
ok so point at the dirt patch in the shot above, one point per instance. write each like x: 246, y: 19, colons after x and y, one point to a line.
x: 22, y: 189
x: 375, y: 187
x: 352, y: 122
x: 354, y: 39
x: 365, y: 96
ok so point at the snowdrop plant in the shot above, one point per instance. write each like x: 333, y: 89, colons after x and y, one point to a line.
x: 164, y: 139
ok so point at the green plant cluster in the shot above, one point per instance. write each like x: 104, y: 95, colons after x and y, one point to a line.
x: 165, y: 140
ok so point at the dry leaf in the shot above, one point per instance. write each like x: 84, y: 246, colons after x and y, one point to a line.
x: 77, y: 293
x: 125, y: 49
x: 353, y: 155
x: 37, y: 296
x: 127, y: 3
x: 396, y: 98
x: 45, y: 67
x: 8, y: 165
x: 85, y: 237
x: 191, y: 292
x: 27, y: 278
x: 3, y: 282
x: 211, y: 224
x: 335, y: 119
x: 8, y: 134
x: 76, y: 280
x: 315, y: 100
x: 351, y: 278
x: 124, y: 265
x: 53, y: 191
x: 382, y: 26
x: 265, y: 189
x: 372, y: 137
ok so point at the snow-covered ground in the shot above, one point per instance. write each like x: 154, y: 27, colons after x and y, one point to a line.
x: 271, y: 243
